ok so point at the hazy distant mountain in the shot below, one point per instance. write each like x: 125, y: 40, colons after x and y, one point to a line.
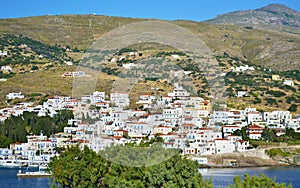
x: 270, y: 17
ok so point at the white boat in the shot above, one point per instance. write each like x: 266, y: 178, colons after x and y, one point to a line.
x: 33, y: 165
x: 9, y: 163
x: 37, y: 174
x: 34, y: 174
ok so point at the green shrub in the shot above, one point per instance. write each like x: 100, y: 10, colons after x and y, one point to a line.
x: 277, y: 152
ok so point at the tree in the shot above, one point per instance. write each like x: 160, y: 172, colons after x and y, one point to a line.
x: 291, y: 134
x: 34, y: 67
x: 268, y: 135
x: 256, y: 182
x: 4, y: 141
x: 76, y: 49
x: 293, y: 108
x: 85, y: 168
x: 16, y: 128
x: 241, y: 132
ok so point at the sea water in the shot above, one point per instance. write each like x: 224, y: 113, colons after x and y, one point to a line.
x: 221, y: 177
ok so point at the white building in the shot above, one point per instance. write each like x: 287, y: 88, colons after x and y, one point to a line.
x: 3, y: 53
x: 179, y: 92
x: 242, y: 68
x: 162, y: 130
x: 146, y: 99
x: 241, y: 94
x: 15, y: 95
x: 224, y: 117
x: 6, y: 68
x: 120, y: 99
x: 172, y: 115
x: 288, y: 82
x: 277, y: 115
x: 228, y: 130
x: 224, y: 146
x: 254, y: 117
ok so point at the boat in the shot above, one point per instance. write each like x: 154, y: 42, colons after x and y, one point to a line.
x: 34, y: 174
x: 33, y: 165
x: 9, y: 163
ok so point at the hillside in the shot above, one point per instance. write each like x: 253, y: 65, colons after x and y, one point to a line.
x: 40, y: 47
x: 268, y: 48
x: 271, y: 17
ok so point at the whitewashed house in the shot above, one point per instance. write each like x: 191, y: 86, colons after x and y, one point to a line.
x: 254, y: 117
x: 255, y: 131
x: 241, y: 94
x: 6, y: 68
x: 162, y: 130
x: 288, y: 82
x: 3, y: 53
x: 224, y: 146
x: 179, y: 92
x: 242, y: 145
x: 228, y: 130
x: 120, y: 99
x: 172, y: 115
x: 15, y: 95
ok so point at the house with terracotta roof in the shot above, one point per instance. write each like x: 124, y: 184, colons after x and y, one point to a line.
x: 255, y: 131
x: 186, y: 127
x: 162, y: 129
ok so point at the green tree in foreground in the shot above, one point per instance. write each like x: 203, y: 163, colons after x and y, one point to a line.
x: 85, y: 168
x: 256, y: 182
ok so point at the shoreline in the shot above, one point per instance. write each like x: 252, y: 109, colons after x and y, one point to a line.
x: 245, y: 166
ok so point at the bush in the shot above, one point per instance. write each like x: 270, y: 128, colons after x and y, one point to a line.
x: 276, y: 93
x: 271, y: 101
x: 34, y: 67
x: 257, y: 100
x: 293, y: 108
x: 277, y: 152
x: 256, y: 182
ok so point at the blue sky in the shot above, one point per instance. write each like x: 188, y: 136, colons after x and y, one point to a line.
x: 197, y: 10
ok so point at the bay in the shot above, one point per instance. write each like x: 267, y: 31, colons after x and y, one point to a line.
x: 222, y: 177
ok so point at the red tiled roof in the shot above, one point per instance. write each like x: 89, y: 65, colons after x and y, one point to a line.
x: 222, y: 139
x: 255, y: 127
x: 231, y: 126
x: 188, y: 125
x: 255, y: 133
x: 205, y: 128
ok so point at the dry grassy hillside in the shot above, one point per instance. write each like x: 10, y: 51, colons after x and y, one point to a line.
x: 268, y: 48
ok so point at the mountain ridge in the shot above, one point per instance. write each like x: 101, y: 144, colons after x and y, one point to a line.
x: 271, y: 17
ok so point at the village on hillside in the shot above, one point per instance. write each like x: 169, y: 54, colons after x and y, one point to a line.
x: 179, y: 120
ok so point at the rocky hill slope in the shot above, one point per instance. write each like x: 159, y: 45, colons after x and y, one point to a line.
x: 272, y: 17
